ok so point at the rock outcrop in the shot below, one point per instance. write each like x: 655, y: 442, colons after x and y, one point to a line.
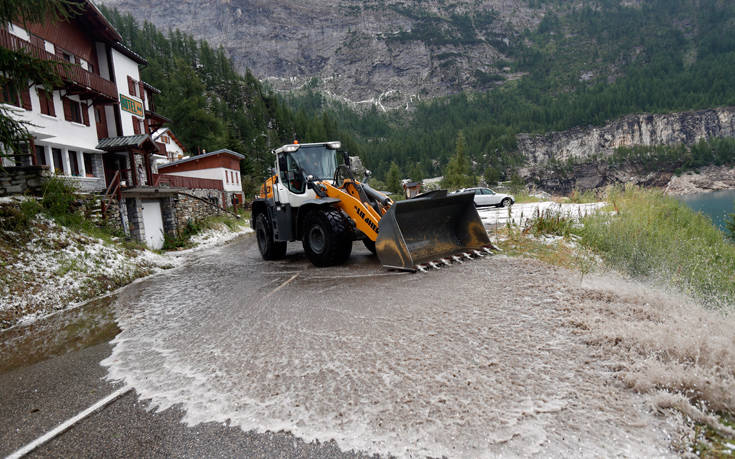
x: 560, y: 162
x: 711, y: 178
x: 647, y: 129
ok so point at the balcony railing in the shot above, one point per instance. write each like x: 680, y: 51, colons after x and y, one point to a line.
x: 193, y: 183
x: 89, y: 83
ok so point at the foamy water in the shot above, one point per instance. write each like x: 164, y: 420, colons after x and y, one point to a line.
x: 482, y: 359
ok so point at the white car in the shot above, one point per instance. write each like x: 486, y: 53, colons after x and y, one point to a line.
x: 487, y: 197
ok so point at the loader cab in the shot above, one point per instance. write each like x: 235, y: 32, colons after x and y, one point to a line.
x: 297, y: 162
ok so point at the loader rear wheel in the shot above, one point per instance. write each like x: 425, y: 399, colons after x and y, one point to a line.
x: 370, y: 245
x: 269, y: 248
x: 327, y: 237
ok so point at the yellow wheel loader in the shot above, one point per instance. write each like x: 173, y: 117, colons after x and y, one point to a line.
x: 313, y: 197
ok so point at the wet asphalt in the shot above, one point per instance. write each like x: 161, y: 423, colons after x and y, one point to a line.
x: 50, y: 371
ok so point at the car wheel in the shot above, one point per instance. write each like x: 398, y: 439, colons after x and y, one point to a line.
x: 327, y: 237
x: 269, y: 248
x: 507, y: 202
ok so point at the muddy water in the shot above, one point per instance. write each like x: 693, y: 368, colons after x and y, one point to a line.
x: 477, y: 360
x: 68, y: 331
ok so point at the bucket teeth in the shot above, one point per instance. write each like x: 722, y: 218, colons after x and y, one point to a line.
x: 467, y: 255
x: 421, y: 268
x: 487, y: 250
x: 457, y: 259
x: 434, y: 265
x: 445, y: 261
x: 478, y: 253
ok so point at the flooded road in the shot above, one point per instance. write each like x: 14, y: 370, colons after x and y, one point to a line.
x: 480, y: 359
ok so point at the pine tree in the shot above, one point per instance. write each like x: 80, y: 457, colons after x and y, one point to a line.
x: 458, y: 173
x: 393, y: 179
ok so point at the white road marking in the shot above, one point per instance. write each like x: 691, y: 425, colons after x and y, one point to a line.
x: 68, y: 423
x: 283, y: 285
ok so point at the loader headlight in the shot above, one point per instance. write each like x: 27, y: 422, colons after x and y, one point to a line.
x: 334, y: 145
x: 291, y: 148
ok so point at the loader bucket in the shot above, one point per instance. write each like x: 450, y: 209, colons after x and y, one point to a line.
x: 429, y: 228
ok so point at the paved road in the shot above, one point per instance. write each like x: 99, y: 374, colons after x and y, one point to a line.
x: 478, y: 359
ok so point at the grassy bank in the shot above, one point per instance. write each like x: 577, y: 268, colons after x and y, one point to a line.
x: 651, y: 235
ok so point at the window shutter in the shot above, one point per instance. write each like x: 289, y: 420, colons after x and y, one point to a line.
x: 51, y: 107
x: 85, y: 114
x: 131, y: 86
x: 67, y: 108
x: 25, y: 98
x: 42, y: 100
x: 142, y: 91
x: 136, y: 126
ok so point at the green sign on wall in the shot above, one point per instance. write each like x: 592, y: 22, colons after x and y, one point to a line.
x: 131, y: 106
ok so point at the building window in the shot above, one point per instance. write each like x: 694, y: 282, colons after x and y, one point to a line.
x: 136, y: 126
x: 41, y: 155
x: 10, y: 96
x: 47, y: 102
x: 97, y: 116
x: 58, y: 163
x: 76, y: 112
x: 88, y: 164
x: 74, y: 163
x: 132, y: 87
x: 165, y: 139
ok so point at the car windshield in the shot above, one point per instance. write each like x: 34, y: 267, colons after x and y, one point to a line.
x: 317, y: 160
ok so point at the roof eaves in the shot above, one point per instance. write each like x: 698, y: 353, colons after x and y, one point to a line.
x: 129, y: 53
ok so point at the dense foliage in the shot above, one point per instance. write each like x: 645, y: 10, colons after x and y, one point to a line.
x: 588, y: 62
x: 211, y: 105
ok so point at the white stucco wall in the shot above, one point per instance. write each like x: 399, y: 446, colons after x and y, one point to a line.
x: 217, y: 173
x: 124, y: 67
x: 57, y: 130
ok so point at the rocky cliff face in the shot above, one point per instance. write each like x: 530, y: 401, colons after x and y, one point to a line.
x: 578, y: 156
x: 647, y: 130
x: 387, y: 52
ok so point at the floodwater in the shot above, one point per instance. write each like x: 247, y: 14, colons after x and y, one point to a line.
x: 70, y: 330
x: 486, y: 359
x: 717, y: 205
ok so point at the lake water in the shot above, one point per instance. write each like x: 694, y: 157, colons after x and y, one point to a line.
x: 716, y: 205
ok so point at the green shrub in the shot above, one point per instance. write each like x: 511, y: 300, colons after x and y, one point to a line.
x: 18, y: 218
x: 655, y: 236
x: 551, y: 223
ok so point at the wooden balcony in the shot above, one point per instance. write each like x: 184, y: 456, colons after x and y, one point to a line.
x: 77, y: 80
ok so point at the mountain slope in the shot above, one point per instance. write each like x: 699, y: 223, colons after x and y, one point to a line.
x: 383, y: 51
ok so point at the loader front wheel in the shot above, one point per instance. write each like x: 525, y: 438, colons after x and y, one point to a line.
x: 370, y: 245
x: 270, y: 249
x: 327, y: 237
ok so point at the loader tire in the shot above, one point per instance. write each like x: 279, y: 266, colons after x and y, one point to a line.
x: 370, y: 245
x: 269, y: 248
x: 327, y: 237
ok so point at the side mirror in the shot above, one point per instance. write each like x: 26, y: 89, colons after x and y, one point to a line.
x: 282, y: 163
x: 346, y: 157
x: 368, y: 173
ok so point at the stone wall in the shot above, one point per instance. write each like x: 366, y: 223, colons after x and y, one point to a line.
x: 22, y: 180
x: 191, y: 208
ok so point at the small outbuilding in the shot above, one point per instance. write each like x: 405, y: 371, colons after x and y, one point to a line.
x: 412, y: 189
x: 221, y: 165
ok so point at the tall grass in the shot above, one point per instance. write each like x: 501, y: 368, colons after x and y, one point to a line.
x: 655, y: 236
